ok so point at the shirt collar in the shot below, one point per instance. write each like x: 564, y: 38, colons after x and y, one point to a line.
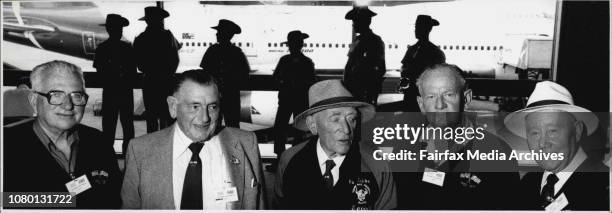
x: 567, y: 172
x: 322, y: 156
x: 40, y: 132
x: 180, y: 142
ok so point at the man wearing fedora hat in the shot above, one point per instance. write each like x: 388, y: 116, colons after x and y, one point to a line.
x: 551, y: 123
x: 230, y: 64
x: 460, y: 183
x: 115, y: 62
x: 294, y: 74
x: 419, y: 56
x: 329, y: 171
x: 157, y: 57
x: 365, y: 68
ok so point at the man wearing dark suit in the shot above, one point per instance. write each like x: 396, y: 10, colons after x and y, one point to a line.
x: 45, y: 154
x: 332, y: 171
x: 195, y: 163
x: 551, y: 123
x: 463, y: 184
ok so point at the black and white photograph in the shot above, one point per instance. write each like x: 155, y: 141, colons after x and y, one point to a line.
x: 401, y: 105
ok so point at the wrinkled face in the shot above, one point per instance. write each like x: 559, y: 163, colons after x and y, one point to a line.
x: 58, y: 118
x: 335, y: 127
x: 196, y: 109
x: 553, y: 132
x: 442, y: 99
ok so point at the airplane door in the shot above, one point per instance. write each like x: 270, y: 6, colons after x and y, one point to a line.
x: 89, y: 42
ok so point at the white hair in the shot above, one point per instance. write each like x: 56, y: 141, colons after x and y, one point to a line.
x: 41, y: 72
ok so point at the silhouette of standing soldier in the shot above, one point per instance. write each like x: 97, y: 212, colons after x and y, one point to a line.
x: 229, y: 63
x: 114, y: 61
x: 157, y: 57
x: 365, y: 68
x: 294, y: 74
x: 418, y: 57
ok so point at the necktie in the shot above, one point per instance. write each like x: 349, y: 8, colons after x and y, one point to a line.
x: 192, y: 187
x: 548, y: 192
x: 328, y: 178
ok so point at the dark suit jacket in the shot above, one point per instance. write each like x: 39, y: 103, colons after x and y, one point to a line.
x: 299, y: 181
x: 29, y: 167
x: 148, y: 174
x: 587, y: 189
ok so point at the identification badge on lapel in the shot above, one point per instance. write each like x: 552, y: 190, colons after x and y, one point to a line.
x: 557, y: 205
x: 433, y: 176
x: 226, y: 194
x: 78, y: 185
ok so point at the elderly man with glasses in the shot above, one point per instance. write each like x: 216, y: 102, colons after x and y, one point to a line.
x: 53, y: 152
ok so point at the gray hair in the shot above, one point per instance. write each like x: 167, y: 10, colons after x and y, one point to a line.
x: 451, y: 69
x: 40, y: 72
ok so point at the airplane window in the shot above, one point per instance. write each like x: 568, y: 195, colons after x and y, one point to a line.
x: 457, y: 47
x: 501, y: 47
x: 469, y: 47
x: 269, y: 45
x: 181, y: 43
x: 240, y: 44
x: 193, y: 44
x: 323, y: 45
x: 488, y: 48
x: 481, y: 47
x: 397, y: 46
x: 203, y: 43
x: 450, y: 47
x: 343, y: 46
x: 337, y: 45
x: 317, y: 45
x: 310, y: 44
x: 210, y: 43
x: 199, y: 44
x: 494, y: 47
x: 329, y: 45
x: 462, y: 47
x: 186, y: 43
x: 275, y: 44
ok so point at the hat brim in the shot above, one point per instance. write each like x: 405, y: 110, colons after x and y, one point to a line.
x: 367, y: 112
x: 515, y: 122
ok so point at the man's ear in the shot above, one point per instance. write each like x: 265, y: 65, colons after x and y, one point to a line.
x: 312, y: 125
x: 172, y: 106
x: 420, y: 102
x: 579, y: 125
x: 33, y: 100
x: 467, y: 98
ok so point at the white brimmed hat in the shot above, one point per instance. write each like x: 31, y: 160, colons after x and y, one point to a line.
x: 548, y: 95
x: 331, y: 94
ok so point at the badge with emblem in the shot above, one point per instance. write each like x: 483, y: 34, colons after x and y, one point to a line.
x: 99, y: 177
x: 362, y: 193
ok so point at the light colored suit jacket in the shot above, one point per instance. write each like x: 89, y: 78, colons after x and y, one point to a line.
x: 148, y: 175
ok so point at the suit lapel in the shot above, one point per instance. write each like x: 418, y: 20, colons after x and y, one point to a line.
x: 163, y: 152
x: 236, y: 163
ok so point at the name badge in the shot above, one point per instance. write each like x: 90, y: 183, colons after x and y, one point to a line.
x: 78, y: 185
x: 433, y: 176
x: 226, y: 194
x: 557, y: 205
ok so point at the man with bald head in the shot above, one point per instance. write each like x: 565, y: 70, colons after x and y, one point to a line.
x: 53, y: 151
x: 443, y: 97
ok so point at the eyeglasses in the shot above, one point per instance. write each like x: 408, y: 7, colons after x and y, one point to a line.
x: 55, y: 97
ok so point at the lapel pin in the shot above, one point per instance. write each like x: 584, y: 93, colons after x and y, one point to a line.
x: 235, y: 160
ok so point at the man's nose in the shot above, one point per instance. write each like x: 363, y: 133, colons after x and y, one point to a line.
x: 204, y: 116
x: 440, y: 103
x: 67, y: 103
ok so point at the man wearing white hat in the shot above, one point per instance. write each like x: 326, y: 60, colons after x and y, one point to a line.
x: 230, y: 64
x: 332, y: 171
x: 157, y: 57
x: 551, y: 123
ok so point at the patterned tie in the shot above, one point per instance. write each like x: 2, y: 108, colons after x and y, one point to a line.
x: 548, y: 192
x: 192, y: 187
x: 328, y: 178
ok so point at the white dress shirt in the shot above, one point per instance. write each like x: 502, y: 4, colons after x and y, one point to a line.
x: 214, y: 169
x: 567, y: 172
x: 322, y: 156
